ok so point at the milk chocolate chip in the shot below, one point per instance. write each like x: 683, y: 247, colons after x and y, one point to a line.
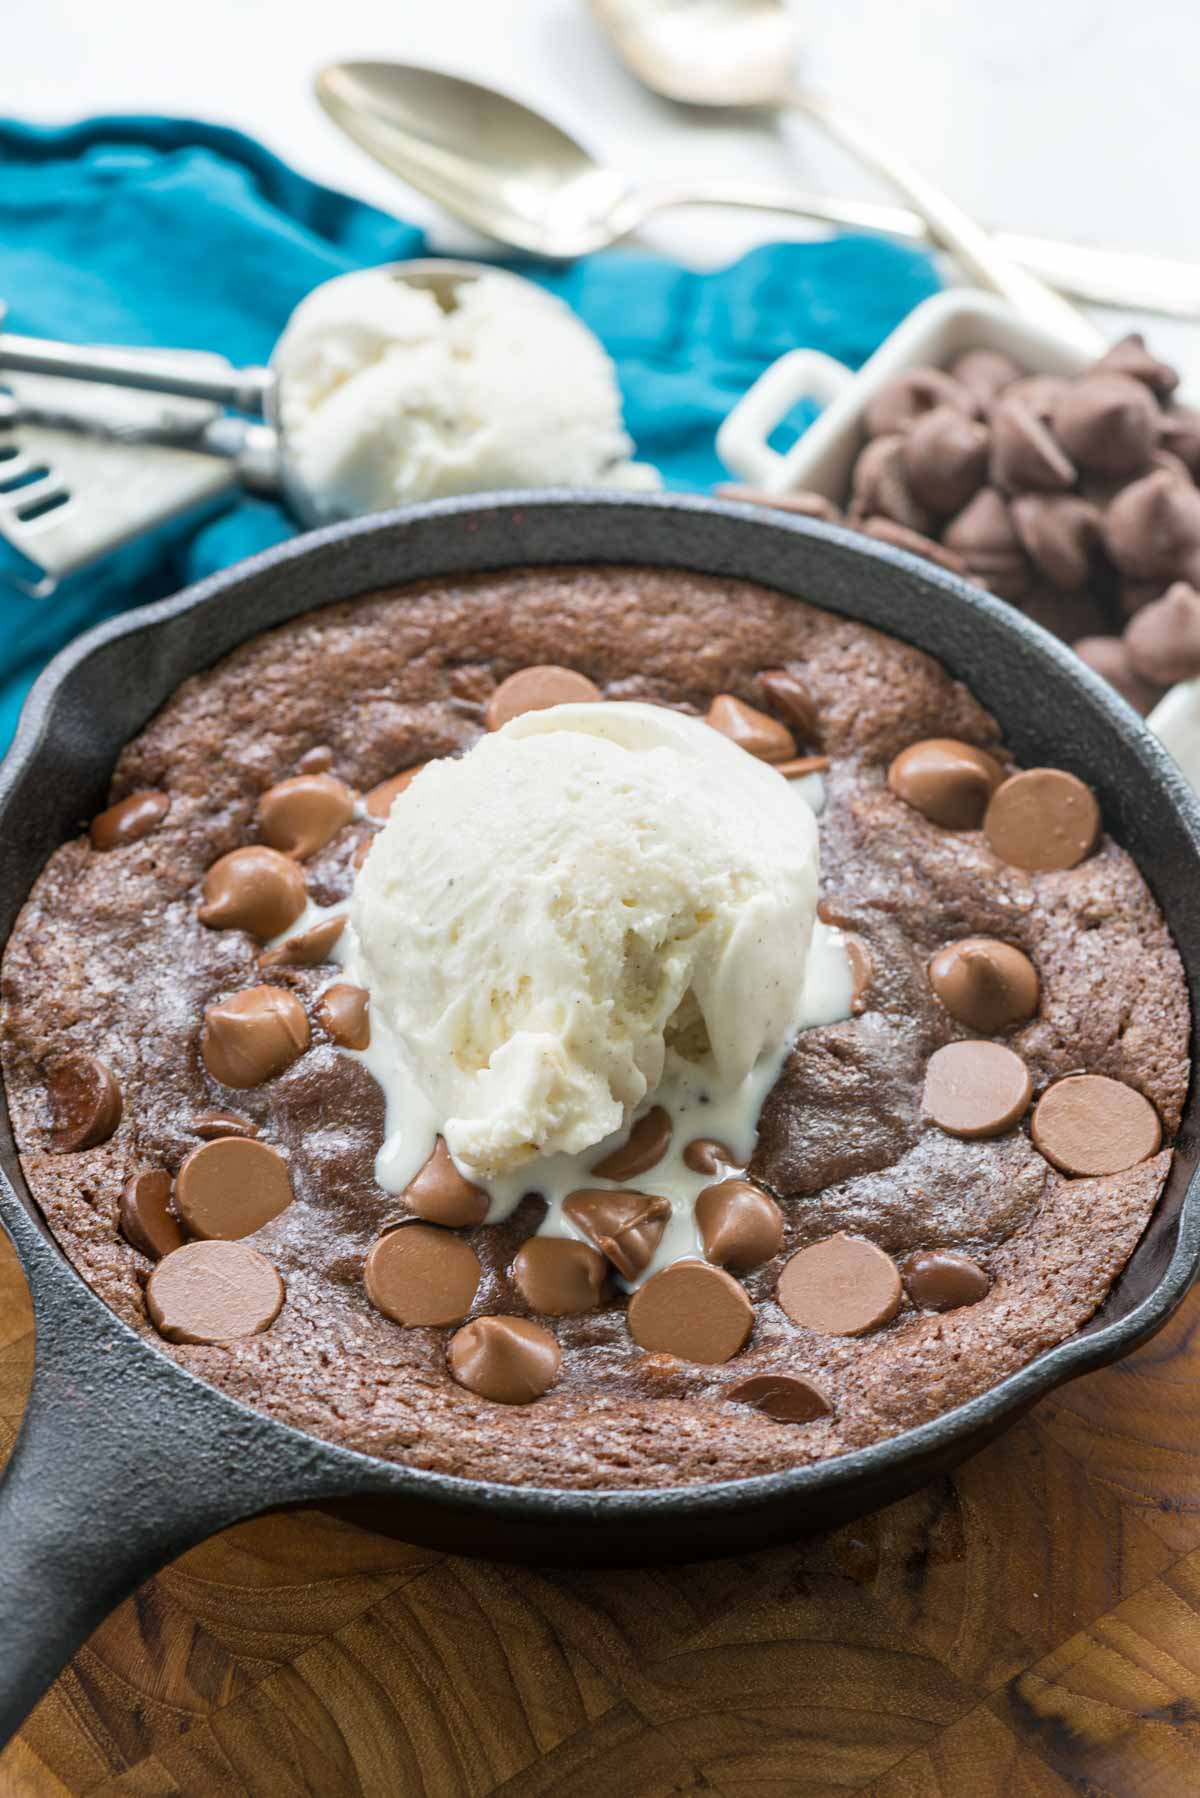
x: 1061, y: 534
x: 910, y: 396
x: 880, y: 487
x: 1163, y: 640
x: 380, y: 799
x: 300, y: 815
x: 533, y: 689
x: 1024, y: 452
x: 85, y: 1103
x: 255, y: 889
x: 987, y: 985
x: 145, y: 1217
x: 1131, y: 357
x: 342, y: 1012
x: 230, y: 1188
x: 884, y: 530
x: 740, y: 1225
x: 253, y: 1035
x: 804, y: 504
x: 751, y: 729
x: 213, y: 1292
x: 706, y: 1156
x: 625, y: 1226
x: 691, y: 1310
x: 940, y: 1280
x: 976, y: 1089
x: 129, y: 820
x: 440, y: 1194
x: 1042, y: 819
x: 644, y: 1148
x: 212, y: 1124
x: 784, y: 1397
x: 559, y: 1276
x: 948, y: 782
x: 984, y: 536
x: 862, y: 972
x: 842, y: 1286
x: 1088, y: 1124
x: 945, y: 456
x: 985, y: 373
x: 317, y: 760
x: 1107, y: 423
x: 1109, y: 658
x: 510, y: 1360
x: 307, y: 949
x: 1152, y: 527
x: 789, y: 695
x: 421, y: 1275
x: 802, y: 766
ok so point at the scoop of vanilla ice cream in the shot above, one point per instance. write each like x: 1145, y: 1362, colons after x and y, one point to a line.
x: 385, y: 397
x: 588, y: 895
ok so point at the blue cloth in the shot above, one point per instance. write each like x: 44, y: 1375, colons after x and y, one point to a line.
x: 173, y: 233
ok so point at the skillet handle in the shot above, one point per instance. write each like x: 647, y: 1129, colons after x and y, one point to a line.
x: 122, y: 1463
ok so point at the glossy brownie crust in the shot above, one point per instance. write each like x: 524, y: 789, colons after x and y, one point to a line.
x: 108, y: 957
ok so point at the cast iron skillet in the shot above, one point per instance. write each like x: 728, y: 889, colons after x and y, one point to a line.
x: 124, y: 1460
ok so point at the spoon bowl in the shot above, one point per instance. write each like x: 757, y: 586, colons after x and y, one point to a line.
x: 706, y: 52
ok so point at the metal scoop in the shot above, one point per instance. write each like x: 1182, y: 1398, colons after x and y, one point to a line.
x: 99, y: 444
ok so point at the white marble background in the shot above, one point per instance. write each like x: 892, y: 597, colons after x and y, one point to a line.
x: 1071, y: 117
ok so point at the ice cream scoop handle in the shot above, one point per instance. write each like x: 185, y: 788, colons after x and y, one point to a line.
x: 186, y: 374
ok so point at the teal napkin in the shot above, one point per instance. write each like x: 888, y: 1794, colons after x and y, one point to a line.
x: 178, y: 234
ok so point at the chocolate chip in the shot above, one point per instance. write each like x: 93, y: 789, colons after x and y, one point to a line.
x: 880, y: 487
x: 232, y: 1187
x: 421, y: 1275
x: 900, y: 537
x: 510, y: 1360
x: 1133, y: 595
x: 704, y: 1155
x: 789, y: 695
x: 984, y: 536
x: 1109, y: 658
x: 805, y: 505
x: 558, y: 1276
x: 341, y: 1012
x: 255, y: 889
x: 361, y: 853
x: 987, y: 985
x: 902, y: 401
x: 643, y: 1149
x: 740, y: 1225
x: 1179, y: 432
x: 213, y: 1124
x: 307, y: 948
x: 751, y: 729
x: 940, y: 1280
x: 213, y: 1292
x: 1088, y: 1124
x: 85, y: 1103
x: 1038, y: 394
x: 803, y: 766
x: 1152, y: 527
x: 1061, y: 534
x: 862, y: 972
x: 1131, y: 357
x: 253, y: 1035
x: 380, y: 799
x: 945, y: 456
x: 976, y: 1089
x: 948, y: 782
x: 1024, y: 452
x: 1163, y: 641
x: 129, y: 820
x: 441, y: 1195
x: 533, y: 689
x: 317, y: 760
x: 784, y: 1397
x: 693, y: 1311
x: 1107, y: 423
x: 985, y: 373
x: 625, y: 1226
x: 144, y: 1215
x: 841, y: 1286
x: 300, y: 815
x: 1042, y: 819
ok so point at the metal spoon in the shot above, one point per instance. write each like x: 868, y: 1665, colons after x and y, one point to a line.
x: 514, y: 175
x: 742, y: 53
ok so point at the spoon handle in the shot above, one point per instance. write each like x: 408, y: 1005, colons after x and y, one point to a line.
x: 950, y: 226
x: 187, y: 376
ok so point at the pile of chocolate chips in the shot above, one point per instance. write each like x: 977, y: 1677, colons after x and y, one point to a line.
x: 1076, y: 499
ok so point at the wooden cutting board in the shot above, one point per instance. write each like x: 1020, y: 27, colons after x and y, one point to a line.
x: 1027, y: 1629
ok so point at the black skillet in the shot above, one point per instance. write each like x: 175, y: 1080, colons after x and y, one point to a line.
x: 124, y: 1460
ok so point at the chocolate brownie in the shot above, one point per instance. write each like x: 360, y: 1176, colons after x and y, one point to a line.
x: 110, y: 968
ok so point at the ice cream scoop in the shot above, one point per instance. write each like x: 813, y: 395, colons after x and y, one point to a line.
x: 592, y: 900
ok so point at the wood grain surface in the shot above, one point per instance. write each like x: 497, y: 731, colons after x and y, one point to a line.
x: 1027, y: 1629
